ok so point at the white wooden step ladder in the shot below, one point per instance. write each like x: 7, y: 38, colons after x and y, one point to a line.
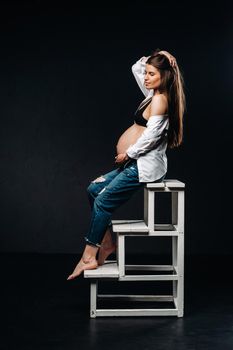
x: 117, y: 270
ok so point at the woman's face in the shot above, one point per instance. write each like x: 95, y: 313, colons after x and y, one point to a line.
x: 152, y: 78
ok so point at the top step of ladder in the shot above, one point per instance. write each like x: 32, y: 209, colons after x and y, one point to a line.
x: 165, y: 184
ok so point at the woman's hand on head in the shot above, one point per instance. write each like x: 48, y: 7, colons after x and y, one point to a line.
x: 121, y: 158
x: 171, y: 58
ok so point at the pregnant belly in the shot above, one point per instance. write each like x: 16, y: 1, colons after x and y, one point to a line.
x: 129, y: 137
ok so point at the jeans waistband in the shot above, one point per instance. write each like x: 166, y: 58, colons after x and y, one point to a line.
x: 128, y: 162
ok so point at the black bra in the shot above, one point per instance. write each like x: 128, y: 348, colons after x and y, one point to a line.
x: 139, y: 119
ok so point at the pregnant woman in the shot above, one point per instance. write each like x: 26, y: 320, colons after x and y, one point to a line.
x: 141, y: 151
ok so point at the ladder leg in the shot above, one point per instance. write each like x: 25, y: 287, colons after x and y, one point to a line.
x: 174, y: 207
x: 93, y: 299
x: 146, y: 205
x: 174, y: 264
x: 121, y: 254
x: 180, y: 254
x: 180, y: 289
x: 151, y: 210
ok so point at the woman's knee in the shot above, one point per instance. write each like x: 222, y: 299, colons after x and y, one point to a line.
x: 96, y: 185
x: 99, y: 179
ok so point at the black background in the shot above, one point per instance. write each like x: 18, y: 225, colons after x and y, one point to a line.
x: 67, y: 94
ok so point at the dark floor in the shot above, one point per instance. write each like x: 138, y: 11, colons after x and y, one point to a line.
x: 41, y: 310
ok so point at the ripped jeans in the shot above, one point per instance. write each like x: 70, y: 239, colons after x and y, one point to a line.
x: 107, y: 193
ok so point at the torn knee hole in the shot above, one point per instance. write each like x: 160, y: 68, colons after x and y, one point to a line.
x: 99, y: 179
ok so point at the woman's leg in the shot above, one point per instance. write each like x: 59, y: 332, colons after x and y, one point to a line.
x: 117, y: 192
x: 93, y: 190
x: 107, y: 245
x: 87, y: 262
x: 97, y: 185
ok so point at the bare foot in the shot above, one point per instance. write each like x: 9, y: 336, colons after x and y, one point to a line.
x: 104, y: 251
x: 83, y: 265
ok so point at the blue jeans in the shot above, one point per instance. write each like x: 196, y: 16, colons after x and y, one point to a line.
x: 116, y: 187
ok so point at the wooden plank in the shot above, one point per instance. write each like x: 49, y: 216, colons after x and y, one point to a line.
x: 136, y: 312
x: 150, y: 267
x: 163, y: 233
x: 133, y: 226
x: 164, y: 227
x: 108, y: 270
x: 137, y: 297
x: 125, y: 221
x: 174, y: 184
x: 148, y: 278
x: 138, y: 229
x: 169, y: 183
x: 151, y: 185
x: 141, y: 225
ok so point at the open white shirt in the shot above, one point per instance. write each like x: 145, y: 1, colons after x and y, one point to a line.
x: 150, y: 147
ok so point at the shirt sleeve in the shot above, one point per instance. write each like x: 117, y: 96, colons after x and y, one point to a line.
x: 150, y: 138
x: 138, y: 70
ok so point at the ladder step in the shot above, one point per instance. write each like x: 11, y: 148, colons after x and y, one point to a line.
x: 133, y: 297
x: 166, y: 184
x: 151, y: 267
x: 129, y: 226
x: 139, y: 226
x: 110, y: 269
x: 136, y: 312
x: 149, y: 278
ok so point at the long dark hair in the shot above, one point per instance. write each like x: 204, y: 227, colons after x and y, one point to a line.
x: 172, y: 83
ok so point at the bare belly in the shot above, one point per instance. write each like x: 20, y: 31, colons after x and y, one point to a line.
x: 129, y: 137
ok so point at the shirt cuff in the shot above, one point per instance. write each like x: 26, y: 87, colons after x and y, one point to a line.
x: 131, y: 154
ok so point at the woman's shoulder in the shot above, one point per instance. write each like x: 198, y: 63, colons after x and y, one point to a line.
x: 160, y: 97
x: 159, y: 104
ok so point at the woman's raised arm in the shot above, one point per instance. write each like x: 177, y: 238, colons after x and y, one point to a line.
x: 138, y: 70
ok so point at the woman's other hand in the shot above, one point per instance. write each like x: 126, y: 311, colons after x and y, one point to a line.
x: 121, y: 158
x: 171, y: 58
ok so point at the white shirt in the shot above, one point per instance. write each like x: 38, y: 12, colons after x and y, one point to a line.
x: 150, y: 147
